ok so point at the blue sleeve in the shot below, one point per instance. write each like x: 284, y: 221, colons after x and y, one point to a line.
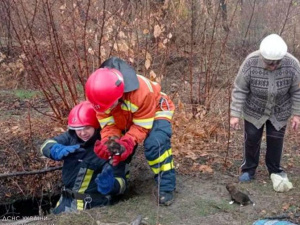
x: 64, y: 139
x: 120, y: 184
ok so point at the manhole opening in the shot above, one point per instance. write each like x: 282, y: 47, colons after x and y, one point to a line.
x: 28, y: 207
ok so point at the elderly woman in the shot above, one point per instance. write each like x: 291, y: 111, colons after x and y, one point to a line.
x: 266, y: 93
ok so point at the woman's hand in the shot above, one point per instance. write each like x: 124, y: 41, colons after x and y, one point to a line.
x: 235, y: 123
x: 295, y: 122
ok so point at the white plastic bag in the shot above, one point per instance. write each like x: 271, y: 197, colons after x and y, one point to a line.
x: 281, y: 183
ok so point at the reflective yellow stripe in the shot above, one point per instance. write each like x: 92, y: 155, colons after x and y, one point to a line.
x: 106, y: 121
x: 146, y: 123
x: 129, y: 106
x: 164, y: 167
x: 148, y: 82
x: 45, y: 143
x: 122, y: 184
x: 86, y: 180
x: 59, y: 201
x: 107, y: 111
x: 166, y: 114
x: 79, y: 204
x: 161, y: 158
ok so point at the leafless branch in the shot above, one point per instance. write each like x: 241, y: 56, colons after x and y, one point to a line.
x: 26, y: 173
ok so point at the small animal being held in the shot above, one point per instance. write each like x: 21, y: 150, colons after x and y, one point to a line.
x: 114, y: 147
x: 238, y: 196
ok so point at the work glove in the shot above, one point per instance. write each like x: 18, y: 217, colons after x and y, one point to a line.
x: 58, y: 151
x: 127, y: 144
x: 105, y: 180
x: 101, y: 149
x: 280, y: 182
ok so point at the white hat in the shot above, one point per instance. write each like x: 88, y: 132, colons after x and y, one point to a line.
x: 273, y: 47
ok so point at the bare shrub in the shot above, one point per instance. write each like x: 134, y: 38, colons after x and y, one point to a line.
x: 64, y: 41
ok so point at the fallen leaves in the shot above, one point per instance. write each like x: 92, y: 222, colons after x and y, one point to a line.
x: 285, y: 206
x: 148, y: 60
x: 157, y: 31
x: 199, y: 143
x: 202, y: 168
x: 205, y: 169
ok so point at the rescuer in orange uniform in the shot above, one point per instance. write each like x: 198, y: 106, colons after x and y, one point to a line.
x: 133, y: 110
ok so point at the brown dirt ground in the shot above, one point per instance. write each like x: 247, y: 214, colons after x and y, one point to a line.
x: 201, y: 197
x: 204, y: 161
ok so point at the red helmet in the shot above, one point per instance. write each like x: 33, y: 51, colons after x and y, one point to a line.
x: 104, y: 87
x: 82, y: 115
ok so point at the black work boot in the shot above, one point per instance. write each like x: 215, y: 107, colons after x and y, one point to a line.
x: 166, y: 198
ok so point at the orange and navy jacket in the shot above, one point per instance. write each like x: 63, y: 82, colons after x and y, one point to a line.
x: 136, y: 111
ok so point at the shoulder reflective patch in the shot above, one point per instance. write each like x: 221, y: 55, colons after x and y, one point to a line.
x: 129, y: 106
x: 148, y: 82
x: 107, y: 112
x: 106, y: 121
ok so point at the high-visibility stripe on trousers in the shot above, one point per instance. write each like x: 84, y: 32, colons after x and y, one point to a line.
x: 158, y: 153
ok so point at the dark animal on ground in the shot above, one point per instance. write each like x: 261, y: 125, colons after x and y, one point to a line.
x: 238, y: 196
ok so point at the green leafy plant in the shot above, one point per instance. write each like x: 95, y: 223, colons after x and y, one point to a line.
x: 26, y: 94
